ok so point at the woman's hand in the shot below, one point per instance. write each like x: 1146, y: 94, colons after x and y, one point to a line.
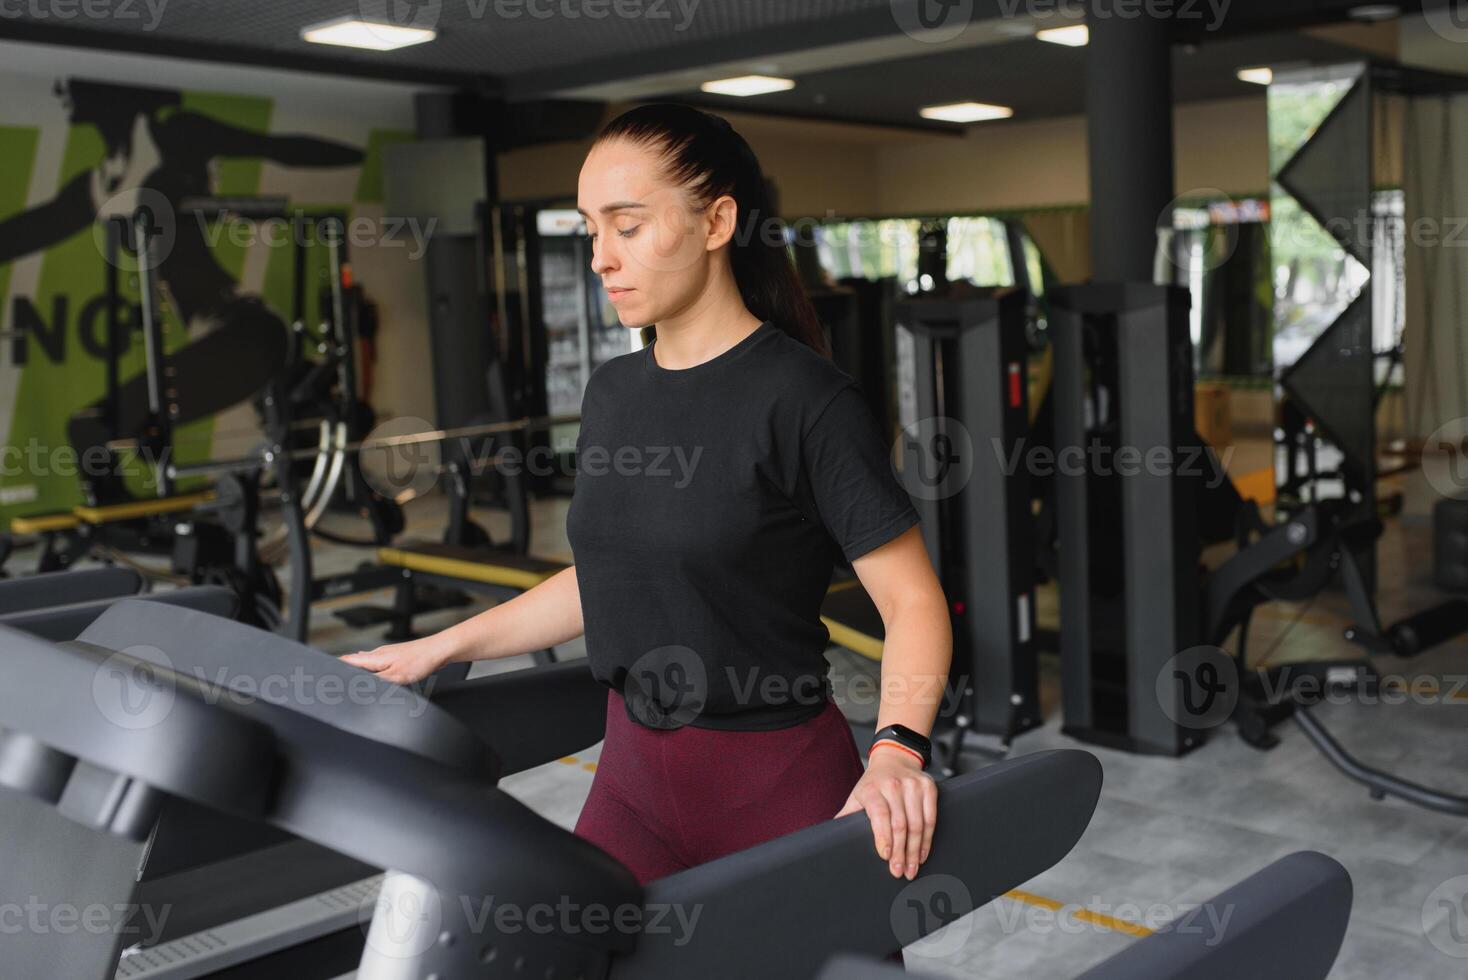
x: 902, y: 803
x: 403, y: 663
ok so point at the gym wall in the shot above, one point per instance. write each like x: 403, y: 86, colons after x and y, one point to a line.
x: 52, y: 267
x: 868, y: 171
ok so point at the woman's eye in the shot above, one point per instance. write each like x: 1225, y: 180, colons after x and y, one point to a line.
x: 628, y: 232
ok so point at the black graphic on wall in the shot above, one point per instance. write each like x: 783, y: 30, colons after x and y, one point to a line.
x: 158, y: 155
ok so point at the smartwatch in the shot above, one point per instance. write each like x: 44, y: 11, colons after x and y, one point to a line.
x: 905, y: 738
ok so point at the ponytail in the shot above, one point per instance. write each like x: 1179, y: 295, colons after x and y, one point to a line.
x: 702, y: 152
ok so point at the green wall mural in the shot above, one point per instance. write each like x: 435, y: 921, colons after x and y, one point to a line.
x: 225, y: 328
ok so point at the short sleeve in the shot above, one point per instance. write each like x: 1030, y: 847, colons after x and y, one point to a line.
x: 847, y: 469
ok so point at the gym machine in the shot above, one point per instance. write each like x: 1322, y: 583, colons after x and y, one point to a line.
x: 963, y: 406
x: 1138, y: 621
x: 963, y: 360
x: 202, y: 532
x: 1123, y: 403
x: 1285, y: 922
x: 393, y: 782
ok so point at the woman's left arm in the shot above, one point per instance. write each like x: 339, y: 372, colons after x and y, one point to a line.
x: 900, y: 799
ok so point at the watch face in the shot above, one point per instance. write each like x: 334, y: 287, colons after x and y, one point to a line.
x: 905, y: 736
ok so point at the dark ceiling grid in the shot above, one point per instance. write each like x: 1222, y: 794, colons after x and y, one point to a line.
x: 473, y: 37
x: 528, y: 57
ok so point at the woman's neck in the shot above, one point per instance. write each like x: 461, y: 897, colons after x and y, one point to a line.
x: 705, y: 330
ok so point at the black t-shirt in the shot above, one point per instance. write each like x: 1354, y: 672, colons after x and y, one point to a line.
x: 708, y: 507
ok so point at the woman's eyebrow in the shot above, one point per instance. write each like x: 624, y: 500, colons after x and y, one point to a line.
x: 615, y: 206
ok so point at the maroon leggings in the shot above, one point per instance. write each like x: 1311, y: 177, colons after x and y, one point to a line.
x: 663, y: 800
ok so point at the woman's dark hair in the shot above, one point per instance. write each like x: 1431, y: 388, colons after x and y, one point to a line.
x: 703, y: 153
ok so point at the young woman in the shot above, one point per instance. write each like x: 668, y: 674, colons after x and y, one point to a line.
x: 719, y: 469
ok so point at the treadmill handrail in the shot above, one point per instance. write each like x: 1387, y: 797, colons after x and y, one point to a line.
x: 997, y: 828
x: 257, y: 665
x: 66, y: 622
x: 1285, y: 922
x: 31, y: 592
x: 123, y: 715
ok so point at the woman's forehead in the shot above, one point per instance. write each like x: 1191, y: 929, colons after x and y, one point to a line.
x: 618, y: 172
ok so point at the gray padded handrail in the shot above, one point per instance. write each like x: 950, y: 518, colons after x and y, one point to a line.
x: 825, y: 887
x: 127, y: 717
x: 395, y: 810
x: 56, y: 588
x: 265, y: 667
x: 376, y: 803
x: 1283, y: 923
x: 66, y: 622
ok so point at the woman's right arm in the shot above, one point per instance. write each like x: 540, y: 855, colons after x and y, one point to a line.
x: 538, y: 619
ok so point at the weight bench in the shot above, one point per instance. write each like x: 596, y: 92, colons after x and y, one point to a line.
x: 399, y: 784
x: 1284, y: 923
x: 132, y: 510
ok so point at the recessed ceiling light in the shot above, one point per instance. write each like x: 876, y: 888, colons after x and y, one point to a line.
x: 1372, y: 12
x: 350, y: 32
x: 1074, y: 36
x: 1259, y: 76
x: 966, y: 112
x: 748, y: 85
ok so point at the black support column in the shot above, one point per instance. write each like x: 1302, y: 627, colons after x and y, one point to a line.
x: 1129, y: 133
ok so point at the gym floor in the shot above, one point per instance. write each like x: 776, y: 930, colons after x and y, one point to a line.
x: 1168, y: 832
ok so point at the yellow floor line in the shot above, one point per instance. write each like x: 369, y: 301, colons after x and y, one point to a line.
x: 571, y: 760
x: 1083, y: 914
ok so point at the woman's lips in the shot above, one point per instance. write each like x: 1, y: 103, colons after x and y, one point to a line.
x: 615, y: 293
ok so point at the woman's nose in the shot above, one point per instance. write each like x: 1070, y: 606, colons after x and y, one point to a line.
x: 602, y: 259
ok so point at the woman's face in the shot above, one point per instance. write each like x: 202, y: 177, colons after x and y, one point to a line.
x: 651, y: 245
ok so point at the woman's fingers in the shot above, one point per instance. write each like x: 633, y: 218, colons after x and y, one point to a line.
x: 880, y: 814
x: 368, y: 659
x: 892, y: 793
x: 912, y: 798
x: 930, y: 817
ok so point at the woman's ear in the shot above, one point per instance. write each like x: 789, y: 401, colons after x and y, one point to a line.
x: 723, y: 222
